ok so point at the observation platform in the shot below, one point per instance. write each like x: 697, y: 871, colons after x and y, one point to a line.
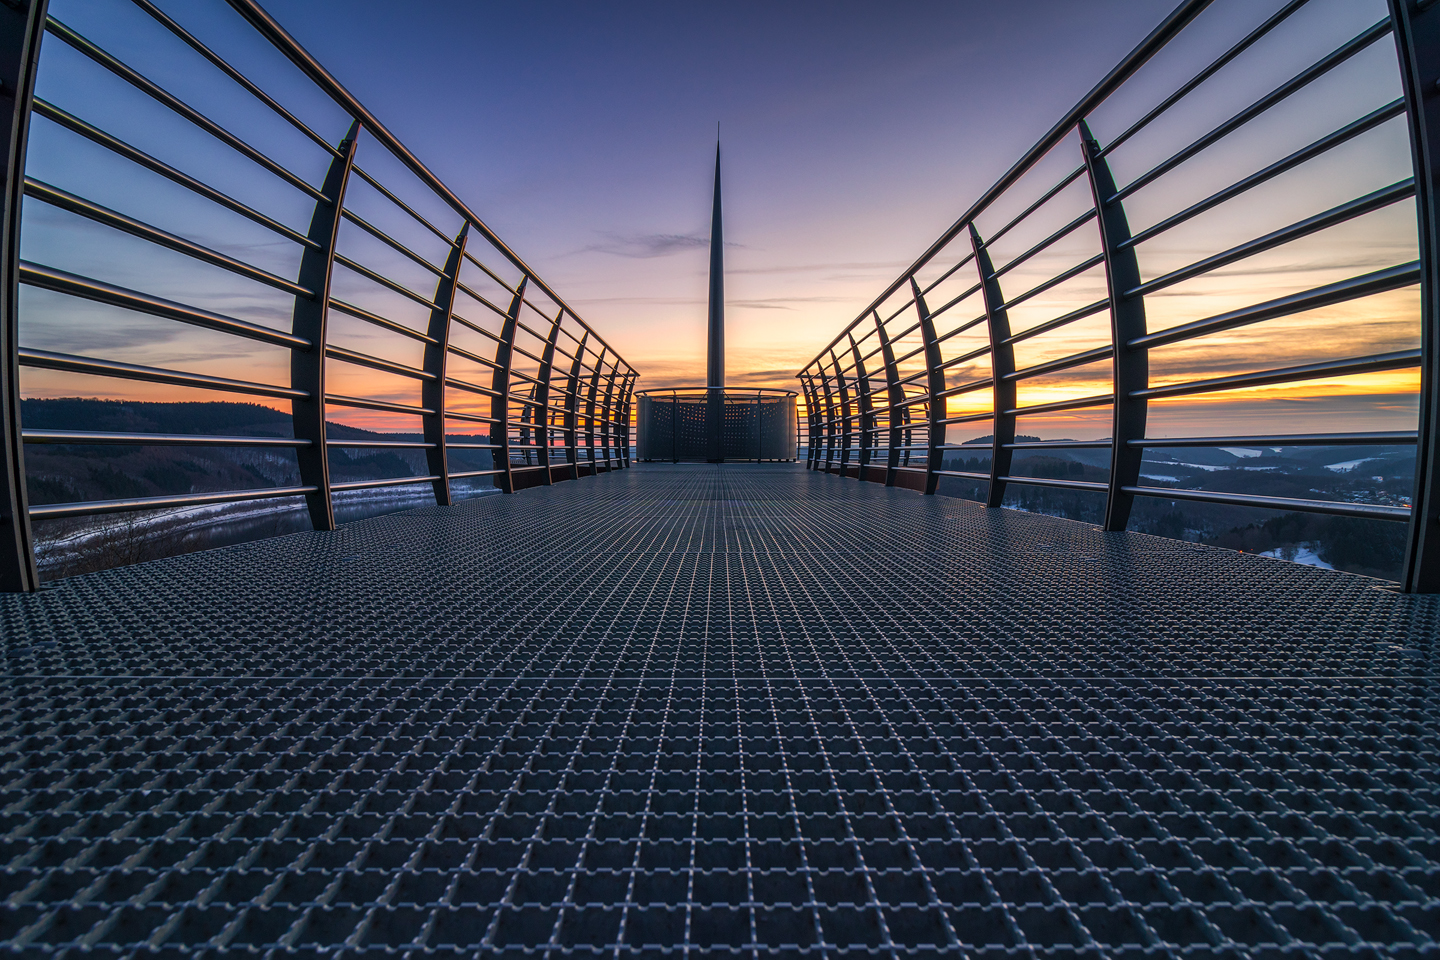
x: 719, y: 706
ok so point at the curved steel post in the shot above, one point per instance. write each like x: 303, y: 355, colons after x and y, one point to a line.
x: 1127, y: 321
x: 845, y: 420
x: 935, y: 385
x: 812, y: 418
x: 590, y: 408
x: 307, y: 368
x: 607, y: 420
x: 832, y: 417
x: 896, y: 408
x: 500, y: 403
x: 1417, y: 40
x: 628, y: 411
x: 437, y: 351
x: 572, y: 408
x: 542, y: 395
x: 867, y: 413
x: 1002, y: 363
x: 21, y: 30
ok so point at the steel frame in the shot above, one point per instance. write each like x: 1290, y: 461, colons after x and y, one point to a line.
x: 916, y: 378
x: 22, y: 26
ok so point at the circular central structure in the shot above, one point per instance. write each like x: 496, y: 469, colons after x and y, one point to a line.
x: 754, y: 425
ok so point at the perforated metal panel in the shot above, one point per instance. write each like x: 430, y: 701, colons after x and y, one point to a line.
x: 741, y: 707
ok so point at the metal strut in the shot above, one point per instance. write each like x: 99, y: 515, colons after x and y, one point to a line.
x: 1002, y: 364
x: 437, y: 351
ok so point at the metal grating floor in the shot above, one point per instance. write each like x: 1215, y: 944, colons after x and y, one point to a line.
x: 719, y: 708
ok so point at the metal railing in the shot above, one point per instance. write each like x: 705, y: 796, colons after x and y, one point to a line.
x: 553, y: 397
x: 879, y: 397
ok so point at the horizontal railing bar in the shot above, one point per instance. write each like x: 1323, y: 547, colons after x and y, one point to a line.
x: 1348, y: 132
x: 948, y: 273
x: 385, y: 405
x: 119, y: 147
x: 1369, y: 510
x: 492, y: 275
x: 360, y: 313
x: 1076, y: 404
x: 475, y: 357
x: 48, y: 278
x: 178, y: 106
x: 1054, y: 238
x: 964, y: 474
x: 1309, y: 371
x: 375, y: 363
x: 156, y: 439
x: 1064, y: 363
x: 471, y: 325
x: 950, y: 304
x: 384, y: 281
x: 1061, y: 484
x: 90, y: 508
x: 389, y: 482
x: 470, y: 417
x: 251, y: 88
x: 472, y: 387
x: 1215, y: 65
x: 1158, y: 38
x: 965, y: 357
x: 967, y: 418
x: 1393, y: 278
x: 378, y: 444
x: 965, y: 388
x: 69, y: 363
x: 1336, y: 215
x: 1089, y: 310
x: 1280, y: 93
x: 1283, y: 440
x: 388, y: 195
x: 456, y: 475
x: 1045, y: 198
x: 1053, y: 282
x: 390, y: 241
x: 1059, y: 444
x: 520, y: 468
x: 65, y: 200
x: 473, y: 446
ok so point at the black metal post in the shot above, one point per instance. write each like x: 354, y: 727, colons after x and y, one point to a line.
x: 1417, y: 40
x: 935, y: 386
x: 572, y: 408
x: 542, y: 395
x: 1002, y: 363
x: 500, y: 383
x: 590, y: 408
x: 607, y: 424
x: 307, y: 368
x: 867, y: 413
x: 896, y: 394
x: 21, y: 29
x: 1127, y: 321
x: 437, y: 351
x: 845, y: 412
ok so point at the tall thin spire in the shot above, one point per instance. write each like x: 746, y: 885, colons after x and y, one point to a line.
x: 715, y: 365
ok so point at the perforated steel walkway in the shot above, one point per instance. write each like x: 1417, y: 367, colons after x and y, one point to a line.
x: 719, y: 707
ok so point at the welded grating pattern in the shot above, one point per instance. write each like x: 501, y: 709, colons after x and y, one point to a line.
x: 744, y: 707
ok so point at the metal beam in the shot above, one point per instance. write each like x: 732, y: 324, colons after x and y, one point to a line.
x: 572, y: 408
x: 437, y: 350
x: 21, y: 29
x: 1131, y: 366
x: 307, y: 367
x: 867, y: 412
x: 935, y: 387
x: 846, y: 413
x: 500, y: 382
x: 542, y: 395
x: 1002, y: 365
x: 896, y: 393
x: 1417, y: 41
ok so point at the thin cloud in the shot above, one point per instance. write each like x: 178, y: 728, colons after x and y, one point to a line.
x: 645, y: 246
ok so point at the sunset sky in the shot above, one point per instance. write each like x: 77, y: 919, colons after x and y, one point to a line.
x: 854, y: 134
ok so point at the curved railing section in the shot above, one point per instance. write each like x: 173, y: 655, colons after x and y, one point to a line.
x: 984, y: 328
x: 445, y: 329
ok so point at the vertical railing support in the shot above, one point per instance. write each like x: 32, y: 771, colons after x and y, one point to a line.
x: 1002, y: 363
x: 437, y: 352
x: 867, y: 413
x: 832, y: 417
x: 935, y: 387
x: 1127, y: 321
x: 590, y: 408
x: 542, y: 395
x: 307, y: 368
x: 1417, y: 41
x: 572, y: 408
x: 21, y: 28
x: 607, y: 422
x: 896, y: 395
x: 812, y: 419
x: 845, y: 420
x: 500, y: 403
x: 627, y: 410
